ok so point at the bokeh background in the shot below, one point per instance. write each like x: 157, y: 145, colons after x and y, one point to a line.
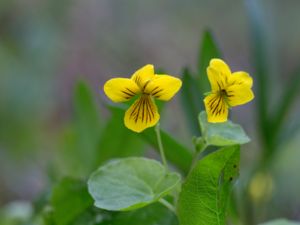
x: 47, y: 46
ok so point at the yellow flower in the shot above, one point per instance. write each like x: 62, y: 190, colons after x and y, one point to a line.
x: 148, y: 85
x: 228, y: 89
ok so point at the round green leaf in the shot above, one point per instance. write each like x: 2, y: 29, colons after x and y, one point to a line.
x: 130, y: 183
x: 222, y: 134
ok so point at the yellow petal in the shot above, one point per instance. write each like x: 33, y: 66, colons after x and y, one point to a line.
x: 142, y: 114
x: 163, y: 87
x: 120, y: 89
x: 218, y: 73
x: 216, y: 108
x: 239, y: 89
x: 142, y: 76
x: 216, y: 80
x: 221, y: 66
x: 239, y: 78
x: 239, y: 94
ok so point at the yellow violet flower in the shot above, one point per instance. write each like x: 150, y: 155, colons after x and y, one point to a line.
x: 148, y: 85
x: 228, y: 89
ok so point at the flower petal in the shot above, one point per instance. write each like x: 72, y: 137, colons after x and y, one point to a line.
x: 239, y: 89
x: 218, y: 73
x: 221, y: 66
x: 239, y: 94
x: 142, y: 114
x: 216, y: 108
x: 120, y: 89
x: 239, y: 78
x: 142, y: 76
x: 163, y: 87
x: 217, y: 81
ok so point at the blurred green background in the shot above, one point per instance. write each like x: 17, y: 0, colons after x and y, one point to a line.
x: 47, y: 46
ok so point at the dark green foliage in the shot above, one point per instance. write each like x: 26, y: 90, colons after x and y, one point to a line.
x: 69, y: 199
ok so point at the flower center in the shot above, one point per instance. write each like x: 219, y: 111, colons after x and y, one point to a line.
x: 223, y: 93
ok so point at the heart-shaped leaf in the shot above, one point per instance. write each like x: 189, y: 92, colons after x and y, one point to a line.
x: 130, y: 183
x: 222, y: 134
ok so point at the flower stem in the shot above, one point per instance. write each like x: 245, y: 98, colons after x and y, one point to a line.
x: 160, y: 146
x: 168, y: 205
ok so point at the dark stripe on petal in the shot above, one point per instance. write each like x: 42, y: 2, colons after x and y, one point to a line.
x: 128, y: 94
x: 138, y: 112
x: 154, y: 88
x: 221, y: 108
x: 136, y: 106
x: 130, y: 91
x: 212, y: 101
x: 217, y: 105
x: 146, y: 110
x: 145, y: 85
x: 156, y: 92
x: 219, y: 86
x: 143, y: 108
x: 149, y: 109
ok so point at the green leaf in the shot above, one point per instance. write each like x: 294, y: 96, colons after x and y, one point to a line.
x: 155, y: 214
x: 81, y: 138
x: 191, y: 99
x: 175, y: 152
x: 87, y: 121
x: 222, y: 134
x: 208, y: 50
x: 131, y: 183
x: 69, y: 199
x: 86, y: 111
x: 205, y: 193
x: 280, y: 222
x: 117, y: 140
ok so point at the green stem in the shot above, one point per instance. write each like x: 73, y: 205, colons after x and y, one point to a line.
x: 194, y: 162
x: 168, y: 205
x: 160, y: 146
x: 196, y: 156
